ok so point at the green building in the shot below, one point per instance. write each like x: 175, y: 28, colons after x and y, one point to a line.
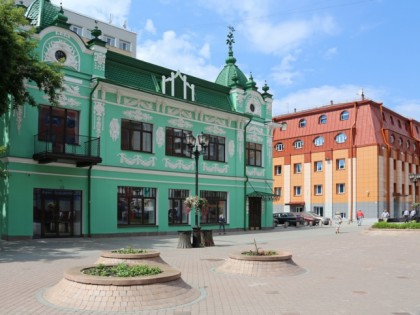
x: 113, y: 158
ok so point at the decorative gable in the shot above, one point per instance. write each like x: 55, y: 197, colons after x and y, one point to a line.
x: 187, y: 89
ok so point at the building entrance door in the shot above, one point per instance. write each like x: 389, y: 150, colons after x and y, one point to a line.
x: 254, y: 213
x: 57, y: 213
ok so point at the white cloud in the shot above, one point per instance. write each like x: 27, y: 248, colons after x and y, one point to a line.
x: 408, y: 108
x: 329, y: 53
x: 150, y: 27
x: 284, y: 74
x: 323, y: 95
x: 179, y: 53
x: 117, y: 10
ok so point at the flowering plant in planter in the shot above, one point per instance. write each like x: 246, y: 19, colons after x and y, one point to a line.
x: 196, y: 202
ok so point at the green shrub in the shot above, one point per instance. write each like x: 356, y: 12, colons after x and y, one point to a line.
x: 122, y: 270
x: 397, y: 226
x: 129, y: 250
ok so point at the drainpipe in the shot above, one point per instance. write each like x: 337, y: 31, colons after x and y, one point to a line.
x: 388, y: 175
x: 89, y: 188
x: 247, y: 179
x: 353, y: 130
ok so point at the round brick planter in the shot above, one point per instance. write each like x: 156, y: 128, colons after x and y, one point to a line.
x: 280, y: 264
x: 79, y: 291
x: 150, y: 256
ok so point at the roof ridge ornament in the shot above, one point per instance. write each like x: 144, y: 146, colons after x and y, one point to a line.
x: 230, y: 41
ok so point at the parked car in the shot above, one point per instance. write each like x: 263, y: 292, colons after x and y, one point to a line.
x: 288, y: 218
x: 310, y: 219
x: 325, y: 221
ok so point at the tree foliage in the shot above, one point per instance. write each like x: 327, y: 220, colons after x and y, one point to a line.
x: 19, y: 62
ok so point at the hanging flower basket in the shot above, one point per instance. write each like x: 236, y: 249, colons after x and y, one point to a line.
x: 196, y: 202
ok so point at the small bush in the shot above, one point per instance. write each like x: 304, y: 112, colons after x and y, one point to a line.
x: 398, y: 226
x: 122, y: 270
x: 260, y: 253
x: 129, y: 250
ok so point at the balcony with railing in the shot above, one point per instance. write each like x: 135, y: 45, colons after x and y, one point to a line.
x: 79, y: 150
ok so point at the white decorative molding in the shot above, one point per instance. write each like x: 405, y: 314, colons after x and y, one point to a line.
x: 186, y: 85
x: 255, y: 129
x: 55, y: 44
x: 216, y: 130
x: 73, y: 80
x: 215, y: 168
x: 255, y: 172
x: 160, y: 137
x: 19, y: 113
x: 114, y: 129
x: 240, y: 140
x: 254, y: 138
x: 174, y: 111
x: 65, y: 101
x: 252, y: 99
x: 231, y: 148
x: 179, y: 164
x: 137, y: 160
x: 99, y: 109
x: 180, y: 123
x: 99, y: 61
x: 137, y: 115
x: 134, y: 102
x: 215, y: 120
x: 71, y: 89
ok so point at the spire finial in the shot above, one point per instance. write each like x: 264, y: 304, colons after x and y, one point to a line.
x: 230, y: 40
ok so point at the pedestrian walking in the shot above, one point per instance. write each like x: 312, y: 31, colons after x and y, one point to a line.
x: 222, y: 222
x: 385, y: 216
x: 406, y: 214
x: 359, y: 215
x: 413, y: 214
x: 337, y: 222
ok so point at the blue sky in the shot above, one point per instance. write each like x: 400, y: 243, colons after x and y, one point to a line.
x: 308, y: 51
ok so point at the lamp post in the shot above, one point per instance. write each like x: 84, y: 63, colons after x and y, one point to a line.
x: 414, y: 178
x: 197, y: 146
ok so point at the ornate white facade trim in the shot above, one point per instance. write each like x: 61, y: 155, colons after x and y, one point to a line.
x: 54, y: 44
x: 160, y: 137
x: 114, y: 129
x: 180, y: 123
x: 99, y: 109
x: 215, y: 168
x: 137, y: 160
x: 137, y: 115
x: 255, y: 172
x: 186, y: 85
x: 216, y: 130
x: 179, y: 164
x: 99, y: 61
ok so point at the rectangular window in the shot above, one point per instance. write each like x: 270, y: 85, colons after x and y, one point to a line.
x: 60, y: 126
x: 341, y: 188
x: 277, y: 191
x: 124, y: 45
x: 318, y: 166
x: 176, y: 144
x: 341, y: 164
x: 318, y: 190
x: 319, y: 210
x: 109, y: 40
x: 217, y: 205
x: 136, y: 205
x: 277, y: 169
x: 177, y: 213
x: 298, y: 190
x: 253, y: 154
x: 298, y: 168
x: 136, y: 136
x: 216, y: 149
x: 77, y: 29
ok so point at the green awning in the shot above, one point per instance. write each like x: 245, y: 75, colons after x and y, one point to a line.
x: 263, y: 195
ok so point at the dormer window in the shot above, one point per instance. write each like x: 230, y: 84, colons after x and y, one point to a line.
x: 344, y: 115
x: 302, y: 123
x: 341, y: 138
x: 319, y: 141
x: 283, y: 126
x: 279, y: 146
x: 298, y: 144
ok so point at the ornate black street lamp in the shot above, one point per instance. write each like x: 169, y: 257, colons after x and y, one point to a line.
x: 197, y: 146
x: 414, y: 178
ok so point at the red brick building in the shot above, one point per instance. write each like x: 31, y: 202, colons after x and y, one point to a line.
x: 345, y: 157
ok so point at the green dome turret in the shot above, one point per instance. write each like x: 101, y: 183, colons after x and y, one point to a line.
x: 41, y: 13
x: 60, y: 19
x: 231, y: 75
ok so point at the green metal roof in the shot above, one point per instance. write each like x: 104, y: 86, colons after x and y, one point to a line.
x: 231, y: 75
x: 145, y: 76
x: 48, y: 15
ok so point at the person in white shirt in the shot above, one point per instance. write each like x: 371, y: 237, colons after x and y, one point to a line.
x: 406, y: 215
x: 413, y: 214
x: 385, y: 215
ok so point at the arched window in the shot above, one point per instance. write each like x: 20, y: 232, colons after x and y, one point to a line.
x: 319, y: 141
x: 302, y: 123
x: 392, y: 120
x: 298, y: 144
x: 344, y: 115
x: 400, y: 141
x: 279, y: 146
x: 340, y: 138
x: 323, y: 119
x: 391, y: 139
x: 407, y: 143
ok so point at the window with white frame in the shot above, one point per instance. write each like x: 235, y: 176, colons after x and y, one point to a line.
x: 319, y: 210
x: 283, y: 126
x: 298, y: 144
x: 279, y: 146
x: 109, y: 40
x: 318, y: 166
x: 277, y: 191
x: 318, y: 190
x: 297, y: 190
x: 319, y: 141
x: 302, y: 123
x: 344, y: 115
x: 76, y: 29
x: 391, y: 138
x: 277, y: 169
x: 124, y: 45
x: 323, y: 119
x: 341, y: 188
x: 341, y: 164
x: 298, y: 168
x: 340, y: 138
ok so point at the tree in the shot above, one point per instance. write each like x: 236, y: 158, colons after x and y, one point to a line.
x: 19, y: 62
